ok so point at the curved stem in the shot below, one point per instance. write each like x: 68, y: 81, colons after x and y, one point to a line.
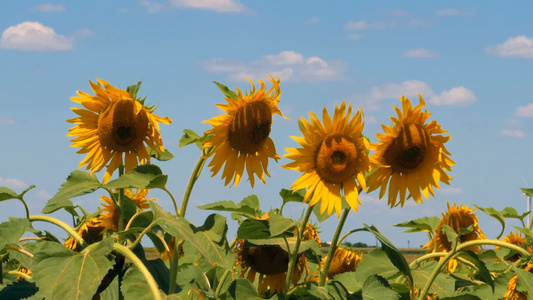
x: 333, y: 247
x: 131, y: 219
x: 15, y: 248
x: 348, y: 233
x: 26, y: 208
x: 139, y: 238
x: 194, y: 176
x: 63, y: 225
x: 142, y: 268
x: 294, y: 256
x: 20, y: 274
x: 221, y: 282
x: 173, y: 200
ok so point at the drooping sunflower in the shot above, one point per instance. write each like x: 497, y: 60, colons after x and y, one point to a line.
x: 457, y: 218
x: 512, y: 293
x: 108, y: 219
x: 515, y: 238
x: 90, y: 231
x: 333, y: 158
x: 113, y: 129
x: 241, y: 136
x: 344, y: 260
x: 270, y: 263
x: 410, y: 156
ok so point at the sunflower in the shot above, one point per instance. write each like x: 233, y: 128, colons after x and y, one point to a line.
x: 109, y: 217
x: 334, y: 157
x: 515, y: 238
x: 512, y: 293
x: 113, y: 129
x: 344, y: 260
x: 270, y: 263
x: 410, y: 156
x: 457, y: 218
x: 241, y: 137
x: 90, y: 231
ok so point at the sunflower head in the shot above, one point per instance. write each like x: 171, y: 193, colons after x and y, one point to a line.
x: 241, y: 136
x: 512, y: 293
x: 333, y: 159
x: 344, y: 260
x: 90, y: 231
x: 457, y: 218
x: 515, y: 238
x: 114, y: 129
x: 410, y: 156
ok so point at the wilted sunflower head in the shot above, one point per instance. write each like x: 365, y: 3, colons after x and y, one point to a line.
x: 333, y: 158
x: 515, y: 238
x: 344, y: 260
x: 411, y: 156
x: 114, y: 129
x: 457, y: 218
x: 512, y: 293
x: 241, y: 137
x: 90, y: 231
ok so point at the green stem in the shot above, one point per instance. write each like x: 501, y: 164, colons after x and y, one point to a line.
x: 18, y: 273
x: 333, y: 247
x: 63, y: 225
x: 120, y: 207
x: 173, y: 201
x: 174, y: 262
x: 138, y: 239
x: 194, y: 176
x: 142, y: 268
x: 20, y: 250
x: 26, y: 208
x: 221, y: 282
x: 348, y: 233
x: 294, y: 256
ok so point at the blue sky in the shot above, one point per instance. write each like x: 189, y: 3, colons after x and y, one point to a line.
x: 471, y: 62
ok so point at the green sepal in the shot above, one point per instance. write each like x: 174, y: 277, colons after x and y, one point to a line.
x: 142, y: 177
x: 226, y: 91
x: 78, y: 183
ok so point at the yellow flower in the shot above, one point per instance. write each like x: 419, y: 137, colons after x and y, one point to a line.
x: 90, y: 231
x: 515, y: 238
x: 457, y: 218
x: 411, y: 156
x: 241, y: 136
x: 113, y: 129
x: 333, y: 157
x: 344, y: 260
x: 108, y: 219
x: 512, y: 293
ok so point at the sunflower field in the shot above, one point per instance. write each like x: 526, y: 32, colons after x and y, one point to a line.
x: 272, y: 256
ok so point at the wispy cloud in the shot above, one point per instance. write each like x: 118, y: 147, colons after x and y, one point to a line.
x: 12, y: 183
x: 288, y: 65
x: 402, y: 20
x: 46, y: 8
x: 419, y: 53
x: 524, y: 111
x: 34, y: 36
x: 6, y: 121
x: 451, y: 12
x: 451, y: 191
x: 312, y: 21
x: 457, y: 96
x: 519, y: 46
x: 222, y: 6
x: 513, y: 133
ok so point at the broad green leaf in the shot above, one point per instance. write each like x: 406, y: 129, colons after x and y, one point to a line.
x: 226, y: 91
x: 524, y: 282
x: 461, y: 297
x: 527, y: 192
x: 374, y: 262
x: 453, y: 236
x: 78, y: 183
x: 12, y: 289
x: 253, y: 229
x: 61, y: 273
x: 142, y: 177
x: 230, y: 206
x: 483, y: 273
x: 292, y: 196
x: 442, y: 286
x: 176, y: 226
x: 156, y: 267
x: 6, y: 194
x: 241, y: 288
x: 279, y: 224
x: 143, y: 219
x: 134, y: 286
x: 190, y: 137
x: 161, y: 156
x: 428, y: 224
x: 485, y: 291
x: 392, y: 252
x: 251, y: 201
x: 318, y: 292
x: 402, y: 290
x: 12, y: 230
x: 510, y: 212
x: 377, y: 288
x: 349, y: 281
x: 212, y: 236
x: 291, y: 242
x: 495, y: 214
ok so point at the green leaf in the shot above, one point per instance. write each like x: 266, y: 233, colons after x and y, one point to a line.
x: 485, y: 292
x: 6, y: 194
x: 291, y: 242
x: 12, y: 230
x: 349, y: 280
x: 495, y: 214
x: 527, y: 192
x: 279, y: 224
x: 524, y: 281
x: 190, y: 137
x: 176, y: 226
x: 134, y: 286
x: 292, y: 196
x: 226, y: 91
x: 61, y: 273
x: 375, y: 262
x: 483, y: 273
x: 510, y: 212
x: 442, y: 286
x: 161, y: 156
x: 230, y: 206
x: 212, y: 236
x: 392, y: 252
x: 142, y: 177
x: 253, y: 229
x: 241, y: 288
x: 133, y: 89
x: 428, y: 224
x: 78, y: 183
x: 461, y: 297
x: 377, y: 288
x: 251, y: 201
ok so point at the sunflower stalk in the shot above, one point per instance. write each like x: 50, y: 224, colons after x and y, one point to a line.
x: 120, y: 207
x: 333, y: 247
x: 294, y: 256
x: 63, y: 225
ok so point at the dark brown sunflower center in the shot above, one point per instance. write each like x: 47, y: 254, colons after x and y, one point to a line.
x: 120, y: 128
x: 266, y: 260
x: 408, y: 150
x: 336, y: 159
x: 250, y: 127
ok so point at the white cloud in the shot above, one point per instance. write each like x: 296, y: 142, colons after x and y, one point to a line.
x: 12, y: 183
x: 525, y: 111
x: 6, y: 121
x: 520, y: 46
x: 399, y: 12
x: 42, y: 195
x: 419, y: 53
x: 451, y: 191
x: 216, y: 5
x: 408, y: 89
x: 50, y: 8
x: 312, y: 21
x: 513, y: 133
x: 364, y: 25
x: 34, y: 36
x: 288, y: 65
x: 457, y: 96
x: 153, y: 7
x: 451, y: 12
